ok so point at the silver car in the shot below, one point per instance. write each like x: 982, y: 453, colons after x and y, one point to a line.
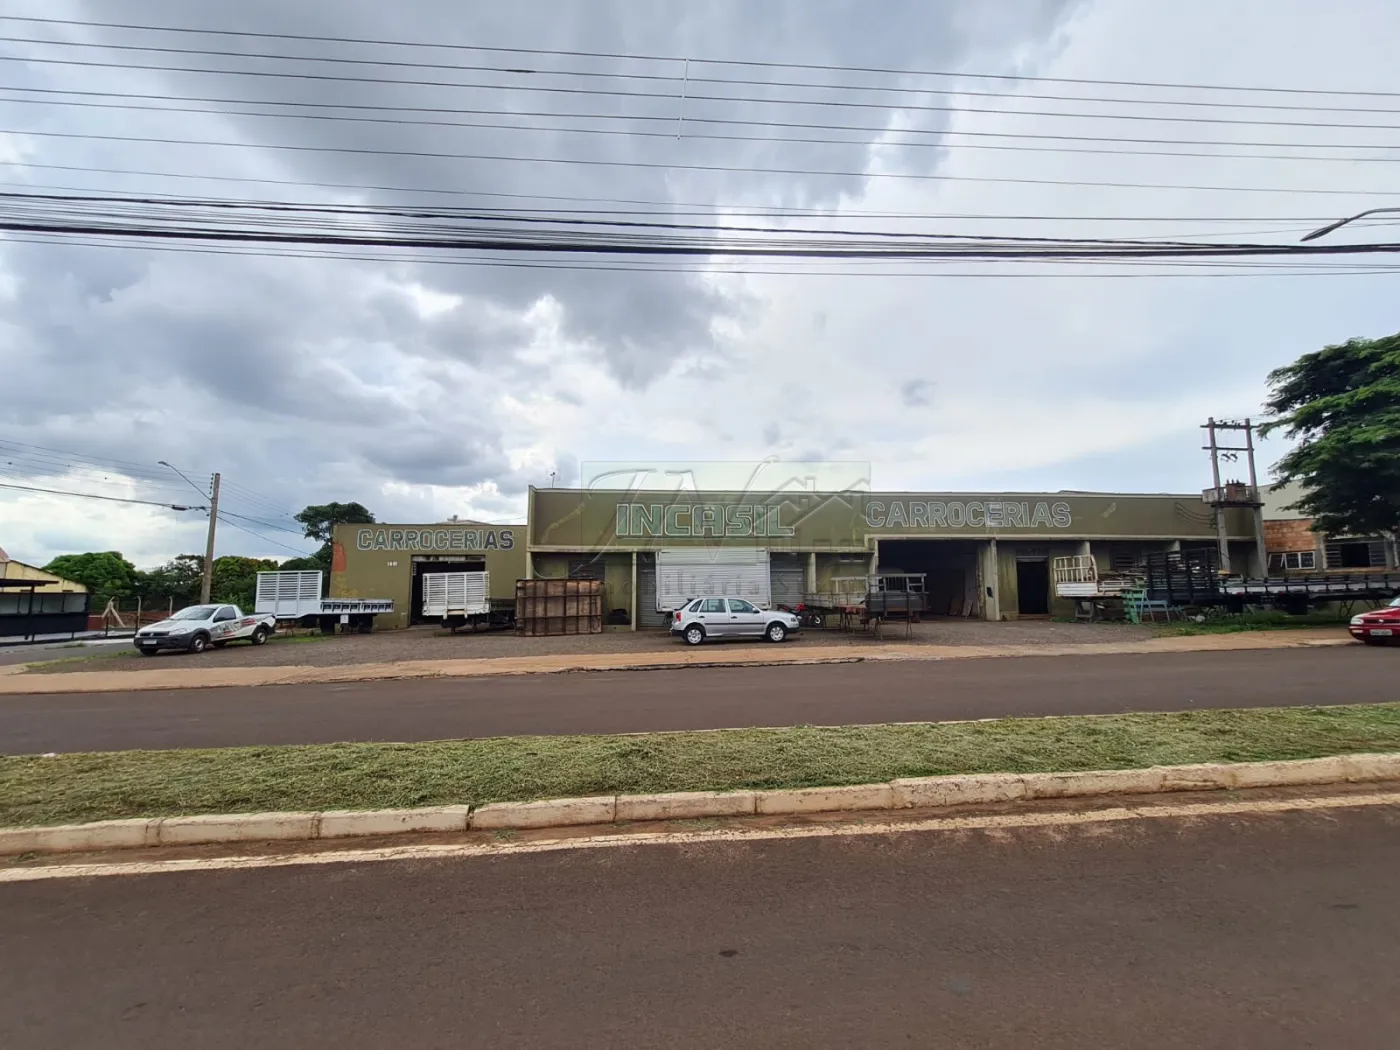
x: 702, y: 618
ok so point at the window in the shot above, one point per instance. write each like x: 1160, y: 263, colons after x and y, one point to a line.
x: 695, y: 605
x: 738, y: 605
x: 1355, y: 554
x: 225, y: 614
x: 713, y: 605
x: 1293, y: 560
x: 1125, y: 561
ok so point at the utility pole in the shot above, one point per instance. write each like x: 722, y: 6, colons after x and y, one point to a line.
x: 1234, y: 494
x: 207, y: 582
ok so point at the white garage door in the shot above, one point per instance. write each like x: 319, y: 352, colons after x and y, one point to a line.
x: 739, y: 572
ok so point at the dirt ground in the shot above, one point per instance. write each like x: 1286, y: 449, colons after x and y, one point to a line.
x: 432, y: 644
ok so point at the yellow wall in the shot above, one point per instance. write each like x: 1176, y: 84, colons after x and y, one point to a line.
x: 17, y: 570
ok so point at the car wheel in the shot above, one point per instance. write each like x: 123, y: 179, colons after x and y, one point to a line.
x: 199, y: 643
x: 776, y: 632
x: 694, y: 634
x: 816, y: 620
x: 259, y: 636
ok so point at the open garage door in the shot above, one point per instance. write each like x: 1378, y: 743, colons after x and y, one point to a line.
x: 949, y: 565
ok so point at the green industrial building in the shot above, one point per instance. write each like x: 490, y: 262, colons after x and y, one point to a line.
x: 985, y: 555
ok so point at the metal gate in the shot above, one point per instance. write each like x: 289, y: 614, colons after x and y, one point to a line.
x: 647, y: 616
x: 788, y: 575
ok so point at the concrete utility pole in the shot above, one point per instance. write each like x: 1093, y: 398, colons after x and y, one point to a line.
x: 208, y: 581
x: 1235, y: 495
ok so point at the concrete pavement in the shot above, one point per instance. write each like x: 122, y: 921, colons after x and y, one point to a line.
x: 191, y: 675
x: 623, y: 702
x: 1247, y: 931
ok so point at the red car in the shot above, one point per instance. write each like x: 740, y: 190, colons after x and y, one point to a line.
x: 1379, y: 626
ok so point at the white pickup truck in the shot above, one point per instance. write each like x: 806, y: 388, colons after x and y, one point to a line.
x: 197, y: 627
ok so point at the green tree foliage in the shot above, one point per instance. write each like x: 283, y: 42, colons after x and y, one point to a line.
x: 236, y: 579
x: 319, y: 522
x: 174, y: 583
x: 301, y: 565
x: 1342, y: 405
x: 106, y: 574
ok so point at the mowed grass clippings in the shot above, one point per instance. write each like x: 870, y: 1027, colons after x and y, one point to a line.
x: 75, y: 788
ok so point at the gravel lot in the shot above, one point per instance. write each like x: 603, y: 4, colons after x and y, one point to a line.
x: 429, y: 644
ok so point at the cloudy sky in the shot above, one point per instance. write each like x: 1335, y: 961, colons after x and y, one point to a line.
x: 430, y: 385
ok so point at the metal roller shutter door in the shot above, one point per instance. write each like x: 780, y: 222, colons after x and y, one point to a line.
x: 789, y: 575
x: 647, y: 614
x: 738, y: 572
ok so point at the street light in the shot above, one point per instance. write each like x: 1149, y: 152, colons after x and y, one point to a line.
x: 206, y: 582
x: 1349, y: 219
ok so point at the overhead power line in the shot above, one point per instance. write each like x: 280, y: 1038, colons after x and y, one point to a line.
x: 660, y: 207
x: 690, y: 98
x: 89, y: 495
x: 655, y: 165
x: 264, y: 539
x: 246, y: 222
x: 700, y: 60
x: 682, y: 80
x: 929, y: 139
x: 1205, y: 269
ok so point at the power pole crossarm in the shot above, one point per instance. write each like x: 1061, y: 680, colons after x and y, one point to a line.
x: 206, y: 584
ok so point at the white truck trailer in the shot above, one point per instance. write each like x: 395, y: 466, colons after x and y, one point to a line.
x: 462, y: 599
x: 295, y: 597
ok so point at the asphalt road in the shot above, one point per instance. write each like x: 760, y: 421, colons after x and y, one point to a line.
x: 1241, y: 932
x: 714, y: 698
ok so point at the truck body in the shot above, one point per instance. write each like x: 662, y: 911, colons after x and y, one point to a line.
x: 295, y: 597
x: 198, y: 627
x: 462, y: 599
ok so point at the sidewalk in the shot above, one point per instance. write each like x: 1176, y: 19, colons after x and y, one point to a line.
x: 194, y: 677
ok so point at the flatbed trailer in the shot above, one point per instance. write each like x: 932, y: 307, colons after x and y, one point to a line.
x: 294, y: 597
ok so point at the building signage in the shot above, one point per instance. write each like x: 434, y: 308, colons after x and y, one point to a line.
x: 698, y: 520
x: 974, y: 514
x: 454, y: 539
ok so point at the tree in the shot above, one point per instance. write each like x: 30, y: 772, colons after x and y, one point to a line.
x: 319, y: 522
x: 177, y: 582
x: 106, y: 574
x: 1342, y: 405
x: 235, y: 579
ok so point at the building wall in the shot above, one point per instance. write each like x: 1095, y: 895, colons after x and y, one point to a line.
x: 49, y: 583
x: 376, y: 561
x: 1290, y: 534
x: 574, y: 520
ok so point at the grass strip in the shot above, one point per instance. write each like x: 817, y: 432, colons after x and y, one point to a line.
x: 75, y: 788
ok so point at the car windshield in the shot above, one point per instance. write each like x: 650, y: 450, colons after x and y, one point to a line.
x: 195, y: 612
x: 1394, y: 604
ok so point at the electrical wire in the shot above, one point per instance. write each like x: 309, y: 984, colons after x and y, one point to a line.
x: 823, y: 67
x: 680, y: 79
x: 264, y: 539
x: 655, y: 165
x: 884, y: 142
x: 690, y: 98
x: 88, y: 495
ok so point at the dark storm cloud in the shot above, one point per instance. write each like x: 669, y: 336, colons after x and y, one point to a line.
x: 260, y: 356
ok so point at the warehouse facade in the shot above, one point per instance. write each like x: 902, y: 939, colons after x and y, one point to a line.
x: 390, y: 561
x: 985, y: 555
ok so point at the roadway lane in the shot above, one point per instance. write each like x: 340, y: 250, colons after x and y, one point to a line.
x: 1247, y: 932
x: 712, y: 698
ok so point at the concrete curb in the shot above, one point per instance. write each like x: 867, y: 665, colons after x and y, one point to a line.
x: 904, y: 793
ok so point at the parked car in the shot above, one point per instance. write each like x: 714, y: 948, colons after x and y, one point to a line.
x: 197, y: 627
x: 702, y: 618
x: 1378, y: 626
